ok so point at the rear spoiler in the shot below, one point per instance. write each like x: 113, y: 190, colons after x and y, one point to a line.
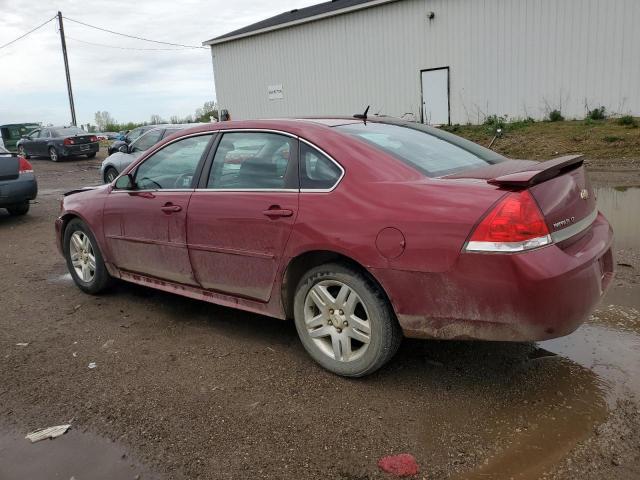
x: 540, y: 173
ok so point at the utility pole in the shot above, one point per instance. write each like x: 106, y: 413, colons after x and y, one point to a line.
x: 66, y: 69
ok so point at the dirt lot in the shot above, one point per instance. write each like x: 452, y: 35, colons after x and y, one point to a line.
x: 186, y: 390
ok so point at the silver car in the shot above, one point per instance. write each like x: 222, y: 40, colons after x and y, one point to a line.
x: 114, y: 164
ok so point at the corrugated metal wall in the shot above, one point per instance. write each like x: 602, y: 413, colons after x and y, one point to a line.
x: 506, y: 57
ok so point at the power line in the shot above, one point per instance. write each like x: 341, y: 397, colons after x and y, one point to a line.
x: 133, y: 36
x: 24, y: 35
x: 124, y: 48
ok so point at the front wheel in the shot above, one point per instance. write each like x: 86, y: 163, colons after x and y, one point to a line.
x: 84, y: 259
x: 19, y: 209
x: 345, y: 321
x: 110, y: 175
x: 53, y: 154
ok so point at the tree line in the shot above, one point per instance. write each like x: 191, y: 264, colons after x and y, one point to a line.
x: 104, y: 121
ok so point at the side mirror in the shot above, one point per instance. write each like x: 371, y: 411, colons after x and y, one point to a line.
x: 123, y: 148
x: 125, y: 182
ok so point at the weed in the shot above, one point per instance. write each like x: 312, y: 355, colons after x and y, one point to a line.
x: 598, y: 113
x: 555, y: 116
x: 627, y: 121
x: 612, y: 139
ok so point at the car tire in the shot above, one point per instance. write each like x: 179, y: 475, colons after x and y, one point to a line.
x: 19, y: 209
x: 349, y: 335
x: 22, y: 152
x: 91, y: 155
x: 110, y: 174
x: 53, y: 154
x: 84, y: 259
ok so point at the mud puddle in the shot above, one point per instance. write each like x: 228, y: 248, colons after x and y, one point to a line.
x: 587, y: 371
x: 621, y: 206
x: 74, y: 455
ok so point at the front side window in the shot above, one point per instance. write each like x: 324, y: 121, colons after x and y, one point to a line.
x: 251, y: 160
x: 317, y: 171
x: 430, y: 153
x: 146, y: 141
x: 34, y: 134
x: 173, y: 167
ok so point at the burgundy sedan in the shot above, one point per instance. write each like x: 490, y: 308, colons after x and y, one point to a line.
x: 360, y: 231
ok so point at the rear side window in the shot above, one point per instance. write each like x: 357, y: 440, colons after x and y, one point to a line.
x: 431, y: 154
x: 317, y: 171
x: 251, y: 160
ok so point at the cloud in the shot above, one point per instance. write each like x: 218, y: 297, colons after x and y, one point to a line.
x: 130, y: 84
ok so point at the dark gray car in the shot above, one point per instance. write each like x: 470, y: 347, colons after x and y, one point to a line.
x: 17, y: 183
x: 58, y: 143
x: 130, y: 137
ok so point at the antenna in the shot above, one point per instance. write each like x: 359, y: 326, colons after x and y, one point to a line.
x: 363, y: 116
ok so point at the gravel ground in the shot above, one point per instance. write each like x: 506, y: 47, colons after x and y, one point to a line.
x: 188, y: 390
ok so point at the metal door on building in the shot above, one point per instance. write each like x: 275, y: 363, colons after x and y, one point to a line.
x: 435, y: 96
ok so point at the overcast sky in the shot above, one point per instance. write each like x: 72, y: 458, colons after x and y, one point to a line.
x: 131, y: 85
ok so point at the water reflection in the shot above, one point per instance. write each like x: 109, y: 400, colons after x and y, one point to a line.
x: 621, y: 206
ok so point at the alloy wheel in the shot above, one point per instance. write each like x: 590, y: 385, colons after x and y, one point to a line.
x: 111, y: 175
x: 83, y: 257
x: 337, y: 320
x: 53, y: 154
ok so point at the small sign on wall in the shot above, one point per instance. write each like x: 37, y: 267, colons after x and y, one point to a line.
x: 275, y: 92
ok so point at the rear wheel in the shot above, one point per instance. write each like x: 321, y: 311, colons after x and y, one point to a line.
x: 110, y: 174
x: 344, y: 321
x: 53, y: 154
x: 23, y: 152
x: 84, y: 259
x: 91, y: 155
x: 19, y: 209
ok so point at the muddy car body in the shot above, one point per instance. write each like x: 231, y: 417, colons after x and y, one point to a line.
x: 360, y: 231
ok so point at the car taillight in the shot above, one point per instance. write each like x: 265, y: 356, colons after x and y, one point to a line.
x: 24, y: 166
x: 93, y: 139
x: 69, y: 141
x: 515, y: 224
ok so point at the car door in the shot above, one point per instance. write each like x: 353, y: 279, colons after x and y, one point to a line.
x: 145, y: 224
x: 42, y: 142
x: 240, y: 220
x: 29, y: 143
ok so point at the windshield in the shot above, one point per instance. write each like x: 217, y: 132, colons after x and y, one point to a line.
x: 434, y: 153
x: 3, y: 150
x: 65, y: 132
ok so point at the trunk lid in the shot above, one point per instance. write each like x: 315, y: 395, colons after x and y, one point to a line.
x: 9, y: 167
x: 80, y: 139
x: 560, y: 186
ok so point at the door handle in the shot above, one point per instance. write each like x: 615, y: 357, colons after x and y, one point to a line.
x: 276, y: 211
x: 171, y: 208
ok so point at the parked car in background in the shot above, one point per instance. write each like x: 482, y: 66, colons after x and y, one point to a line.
x: 359, y: 231
x: 17, y: 183
x: 128, y: 137
x: 118, y: 161
x: 58, y: 143
x: 12, y: 132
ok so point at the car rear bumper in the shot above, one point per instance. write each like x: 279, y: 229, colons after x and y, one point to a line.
x: 82, y: 149
x: 537, y: 295
x: 18, y: 191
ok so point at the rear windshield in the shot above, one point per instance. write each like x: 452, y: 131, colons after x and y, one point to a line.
x: 65, y: 132
x: 433, y: 152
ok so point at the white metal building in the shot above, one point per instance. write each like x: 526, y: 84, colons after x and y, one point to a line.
x: 440, y: 60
